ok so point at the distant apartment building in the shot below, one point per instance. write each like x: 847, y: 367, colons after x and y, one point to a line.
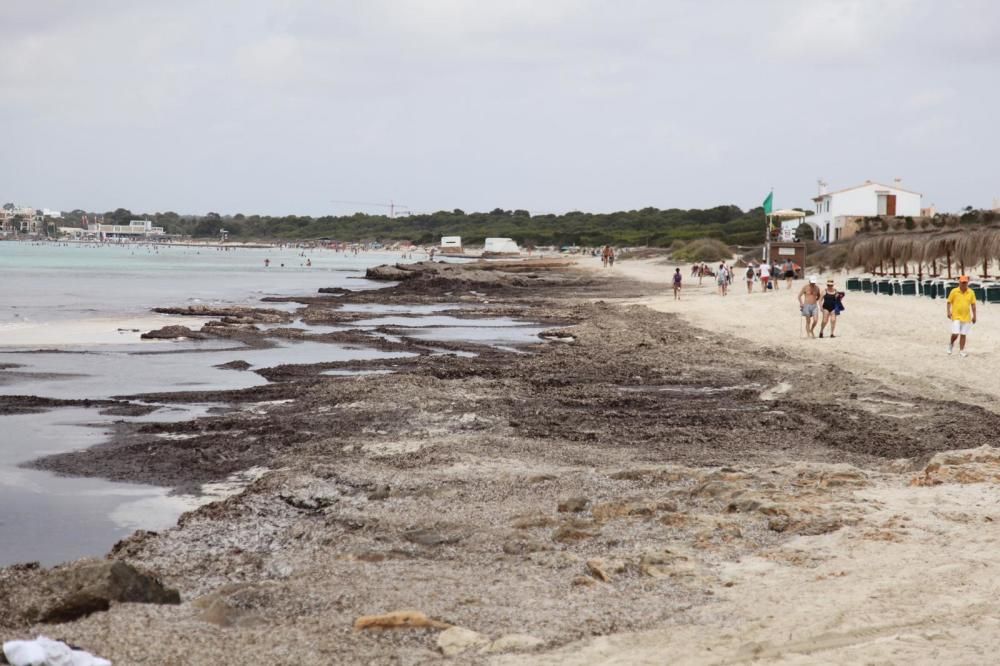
x: 26, y: 220
x: 838, y: 213
x: 132, y: 230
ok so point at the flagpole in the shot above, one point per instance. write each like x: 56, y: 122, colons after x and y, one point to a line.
x: 767, y: 226
x: 767, y: 240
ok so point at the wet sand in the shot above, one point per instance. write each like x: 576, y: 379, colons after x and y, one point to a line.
x: 637, y: 487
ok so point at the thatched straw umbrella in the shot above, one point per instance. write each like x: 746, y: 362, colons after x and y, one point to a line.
x: 862, y: 253
x: 906, y: 247
x: 941, y: 245
x: 991, y: 247
x: 964, y: 247
x: 969, y: 249
x: 876, y: 249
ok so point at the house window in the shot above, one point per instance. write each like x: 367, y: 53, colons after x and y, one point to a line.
x: 826, y: 236
x: 836, y: 234
x: 828, y: 205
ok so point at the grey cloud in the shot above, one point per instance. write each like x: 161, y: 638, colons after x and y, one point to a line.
x: 282, y: 106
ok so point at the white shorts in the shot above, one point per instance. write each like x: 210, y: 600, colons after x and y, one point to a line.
x: 960, y: 327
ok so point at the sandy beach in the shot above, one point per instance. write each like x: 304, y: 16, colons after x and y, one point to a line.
x: 898, y: 340
x: 647, y: 483
x: 913, y: 580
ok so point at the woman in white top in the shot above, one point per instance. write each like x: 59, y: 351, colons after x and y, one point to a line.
x: 765, y: 277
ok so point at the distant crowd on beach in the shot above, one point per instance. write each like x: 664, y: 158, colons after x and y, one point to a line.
x: 821, y: 307
x: 768, y: 275
x: 755, y: 272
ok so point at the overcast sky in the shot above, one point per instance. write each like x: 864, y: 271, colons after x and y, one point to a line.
x: 281, y: 107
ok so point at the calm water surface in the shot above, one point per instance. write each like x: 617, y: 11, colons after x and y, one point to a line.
x: 63, y: 289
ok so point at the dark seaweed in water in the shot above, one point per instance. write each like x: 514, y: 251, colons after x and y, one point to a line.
x: 635, y: 381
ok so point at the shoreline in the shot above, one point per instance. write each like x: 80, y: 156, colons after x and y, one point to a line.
x: 642, y: 475
x: 63, y: 333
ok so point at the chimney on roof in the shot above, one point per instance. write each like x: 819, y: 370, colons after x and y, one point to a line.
x: 897, y: 180
x: 822, y: 186
x: 868, y: 182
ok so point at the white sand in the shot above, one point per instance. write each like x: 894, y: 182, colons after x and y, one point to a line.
x: 899, y: 339
x: 915, y: 580
x: 915, y: 583
x: 97, y: 331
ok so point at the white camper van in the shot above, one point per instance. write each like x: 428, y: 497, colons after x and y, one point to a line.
x: 504, y: 246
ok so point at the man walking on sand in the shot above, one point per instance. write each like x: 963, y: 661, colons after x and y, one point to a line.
x: 808, y: 299
x: 677, y: 284
x: 962, y: 312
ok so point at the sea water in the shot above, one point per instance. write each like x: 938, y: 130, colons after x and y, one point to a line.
x: 67, y: 319
x: 61, y: 308
x: 48, y: 282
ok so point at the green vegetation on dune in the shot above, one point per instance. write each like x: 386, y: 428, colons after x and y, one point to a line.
x: 701, y: 250
x: 648, y: 226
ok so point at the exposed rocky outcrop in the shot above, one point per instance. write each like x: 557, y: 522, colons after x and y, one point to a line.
x: 173, y: 333
x: 490, y: 274
x: 234, y: 365
x: 30, y: 594
x: 235, y: 314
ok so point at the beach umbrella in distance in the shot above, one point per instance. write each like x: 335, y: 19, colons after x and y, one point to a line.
x: 906, y: 248
x: 943, y: 246
x: 894, y: 251
x: 862, y: 252
x: 936, y: 247
x: 991, y: 247
x: 982, y: 247
x: 968, y: 247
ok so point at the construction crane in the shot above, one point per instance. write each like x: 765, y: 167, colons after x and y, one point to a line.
x: 392, y: 205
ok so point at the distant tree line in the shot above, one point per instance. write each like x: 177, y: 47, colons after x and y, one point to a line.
x: 648, y: 226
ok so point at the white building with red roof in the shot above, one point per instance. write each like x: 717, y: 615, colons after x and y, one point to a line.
x: 837, y: 213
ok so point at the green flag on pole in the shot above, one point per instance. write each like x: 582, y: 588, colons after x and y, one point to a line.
x: 768, y: 203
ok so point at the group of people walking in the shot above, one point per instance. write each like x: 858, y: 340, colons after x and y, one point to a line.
x: 813, y: 303
x: 817, y: 307
x: 767, y: 274
x: 822, y: 307
x: 755, y: 272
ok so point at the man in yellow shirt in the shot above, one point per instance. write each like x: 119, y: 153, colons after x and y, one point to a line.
x: 962, y: 312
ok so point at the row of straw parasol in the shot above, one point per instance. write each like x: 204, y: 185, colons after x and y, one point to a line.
x: 933, y: 252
